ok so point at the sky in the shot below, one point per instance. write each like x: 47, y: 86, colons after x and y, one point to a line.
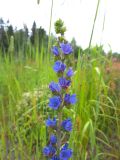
x: 78, y: 16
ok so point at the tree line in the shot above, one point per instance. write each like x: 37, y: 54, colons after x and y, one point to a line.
x: 21, y: 42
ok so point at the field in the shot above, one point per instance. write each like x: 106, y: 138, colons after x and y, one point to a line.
x: 24, y: 97
x: 26, y: 70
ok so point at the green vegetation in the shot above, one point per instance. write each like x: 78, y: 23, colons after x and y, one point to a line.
x: 25, y: 72
x: 24, y: 98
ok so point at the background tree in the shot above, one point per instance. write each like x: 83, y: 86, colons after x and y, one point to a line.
x: 4, y: 43
x: 10, y: 31
x: 33, y: 34
x: 76, y: 48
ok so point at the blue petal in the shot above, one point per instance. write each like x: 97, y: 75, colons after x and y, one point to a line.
x: 70, y: 72
x: 55, y: 50
x: 66, y: 48
x: 55, y: 102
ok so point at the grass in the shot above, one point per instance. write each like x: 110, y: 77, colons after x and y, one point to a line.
x: 24, y: 98
x: 22, y: 129
x: 15, y: 80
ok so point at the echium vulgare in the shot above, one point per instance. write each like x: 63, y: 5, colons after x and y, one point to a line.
x: 59, y: 127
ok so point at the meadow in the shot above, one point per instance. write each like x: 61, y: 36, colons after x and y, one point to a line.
x: 24, y: 95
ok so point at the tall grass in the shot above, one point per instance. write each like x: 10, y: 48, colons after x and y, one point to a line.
x: 96, y: 114
x: 93, y: 114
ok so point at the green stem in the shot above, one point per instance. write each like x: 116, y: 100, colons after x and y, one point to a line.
x: 96, y: 13
x: 59, y: 131
x: 50, y: 26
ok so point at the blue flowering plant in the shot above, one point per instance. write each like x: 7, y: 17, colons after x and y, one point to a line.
x: 59, y: 128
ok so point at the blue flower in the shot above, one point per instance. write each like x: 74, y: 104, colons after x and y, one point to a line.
x: 65, y: 154
x: 49, y: 151
x: 51, y: 123
x: 55, y: 50
x: 67, y: 125
x: 70, y: 99
x: 54, y: 87
x: 70, y: 72
x: 64, y: 83
x: 55, y: 102
x: 66, y: 48
x: 65, y: 146
x: 53, y: 139
x: 59, y: 66
x: 55, y: 158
